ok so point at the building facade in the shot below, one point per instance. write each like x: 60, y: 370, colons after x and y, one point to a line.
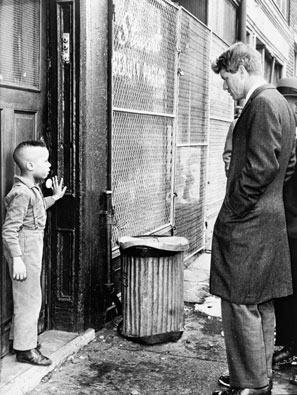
x: 123, y: 95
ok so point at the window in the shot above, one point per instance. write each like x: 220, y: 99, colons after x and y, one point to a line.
x: 196, y: 8
x: 19, y: 42
x: 295, y: 62
x: 222, y: 20
x: 251, y: 39
x: 283, y: 5
x: 272, y: 68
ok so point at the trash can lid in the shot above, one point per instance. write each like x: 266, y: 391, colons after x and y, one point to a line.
x: 166, y: 243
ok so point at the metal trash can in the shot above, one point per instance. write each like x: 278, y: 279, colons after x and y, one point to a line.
x: 152, y: 288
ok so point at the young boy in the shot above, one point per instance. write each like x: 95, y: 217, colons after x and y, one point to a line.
x: 22, y: 236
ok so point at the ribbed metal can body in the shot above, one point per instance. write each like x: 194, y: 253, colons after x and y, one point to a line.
x: 152, y: 294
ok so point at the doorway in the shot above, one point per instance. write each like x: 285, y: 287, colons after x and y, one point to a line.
x: 23, y: 110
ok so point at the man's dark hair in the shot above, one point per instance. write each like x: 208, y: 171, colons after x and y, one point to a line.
x: 236, y: 55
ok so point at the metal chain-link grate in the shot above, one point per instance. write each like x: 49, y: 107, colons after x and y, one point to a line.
x: 142, y: 173
x: 146, y: 36
x: 144, y: 55
x: 221, y: 115
x: 193, y: 115
x: 144, y: 83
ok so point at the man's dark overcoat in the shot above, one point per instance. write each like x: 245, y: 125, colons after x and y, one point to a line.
x: 250, y: 261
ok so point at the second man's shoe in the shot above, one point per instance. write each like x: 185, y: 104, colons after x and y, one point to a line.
x: 33, y: 357
x: 225, y: 381
x: 245, y: 391
x: 293, y: 380
x: 283, y: 357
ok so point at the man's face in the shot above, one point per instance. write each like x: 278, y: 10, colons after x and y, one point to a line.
x: 234, y: 83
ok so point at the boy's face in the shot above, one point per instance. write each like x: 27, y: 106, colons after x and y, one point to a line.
x: 39, y: 163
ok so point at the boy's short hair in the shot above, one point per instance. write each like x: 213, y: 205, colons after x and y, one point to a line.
x: 24, y: 144
x: 236, y: 55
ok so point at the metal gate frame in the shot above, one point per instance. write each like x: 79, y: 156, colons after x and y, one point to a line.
x: 125, y: 189
x: 192, y: 131
x: 161, y: 119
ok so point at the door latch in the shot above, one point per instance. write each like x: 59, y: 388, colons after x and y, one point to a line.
x: 65, y: 48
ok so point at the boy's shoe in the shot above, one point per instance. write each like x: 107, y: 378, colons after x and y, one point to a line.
x: 33, y: 357
x: 12, y: 350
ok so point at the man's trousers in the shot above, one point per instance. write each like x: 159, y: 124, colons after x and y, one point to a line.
x: 249, y: 340
x: 286, y: 308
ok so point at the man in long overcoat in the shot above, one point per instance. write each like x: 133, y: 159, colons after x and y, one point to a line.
x: 286, y: 308
x: 250, y: 264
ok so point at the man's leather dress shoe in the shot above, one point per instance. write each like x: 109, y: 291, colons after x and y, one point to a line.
x: 293, y: 380
x: 225, y: 381
x: 245, y: 391
x: 283, y: 357
x: 34, y: 357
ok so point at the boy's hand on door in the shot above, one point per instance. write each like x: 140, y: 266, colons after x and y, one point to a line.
x: 58, y: 188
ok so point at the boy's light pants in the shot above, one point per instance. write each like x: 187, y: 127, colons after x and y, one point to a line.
x: 27, y: 294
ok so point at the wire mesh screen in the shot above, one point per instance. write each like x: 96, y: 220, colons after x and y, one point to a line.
x: 216, y: 169
x: 221, y: 103
x: 193, y: 114
x: 190, y: 200
x: 20, y: 42
x: 144, y: 85
x: 144, y: 55
x: 193, y: 83
x: 221, y: 115
x: 142, y: 173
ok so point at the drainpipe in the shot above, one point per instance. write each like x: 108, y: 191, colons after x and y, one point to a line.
x: 109, y: 284
x: 242, y: 31
x: 109, y: 91
x: 242, y: 21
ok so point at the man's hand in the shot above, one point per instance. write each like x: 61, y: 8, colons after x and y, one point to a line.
x: 19, y: 272
x: 58, y: 189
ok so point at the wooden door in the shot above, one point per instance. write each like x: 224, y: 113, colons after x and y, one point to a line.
x: 22, y: 107
x: 63, y: 118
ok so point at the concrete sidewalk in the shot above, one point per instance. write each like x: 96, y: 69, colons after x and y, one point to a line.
x: 196, y: 278
x: 107, y: 363
x: 19, y: 378
x: 196, y: 291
